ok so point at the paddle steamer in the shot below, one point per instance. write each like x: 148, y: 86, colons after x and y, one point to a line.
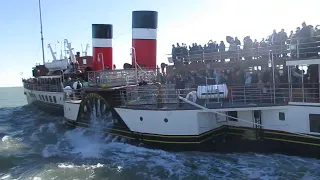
x: 264, y: 117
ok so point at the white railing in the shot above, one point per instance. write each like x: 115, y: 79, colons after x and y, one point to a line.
x: 166, y: 96
x: 116, y: 78
x: 290, y: 49
x: 42, y: 87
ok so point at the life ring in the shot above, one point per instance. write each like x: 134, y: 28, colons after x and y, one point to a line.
x: 194, y: 96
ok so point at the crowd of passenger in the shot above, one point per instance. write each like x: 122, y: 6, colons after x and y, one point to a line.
x: 281, y: 43
x: 238, y: 76
x: 254, y: 81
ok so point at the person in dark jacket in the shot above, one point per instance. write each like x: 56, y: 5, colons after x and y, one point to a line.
x: 180, y: 86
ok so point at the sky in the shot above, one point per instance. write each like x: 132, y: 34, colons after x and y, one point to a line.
x: 183, y: 21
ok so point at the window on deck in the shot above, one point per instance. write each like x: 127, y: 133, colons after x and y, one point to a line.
x: 234, y: 114
x: 282, y: 116
x: 314, y: 121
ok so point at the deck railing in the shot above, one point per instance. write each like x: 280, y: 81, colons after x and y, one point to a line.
x: 123, y: 77
x: 74, y: 95
x: 295, y: 49
x: 166, y: 96
x: 42, y: 87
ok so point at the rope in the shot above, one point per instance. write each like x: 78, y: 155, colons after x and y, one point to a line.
x: 241, y: 120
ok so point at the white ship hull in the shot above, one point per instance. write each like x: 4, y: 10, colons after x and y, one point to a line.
x: 282, y: 128
x: 196, y: 122
x: 51, y: 99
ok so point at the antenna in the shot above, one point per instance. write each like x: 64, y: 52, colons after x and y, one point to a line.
x: 41, y: 32
x: 82, y: 49
x: 85, y: 52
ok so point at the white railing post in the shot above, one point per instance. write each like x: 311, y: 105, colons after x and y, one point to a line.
x: 273, y: 78
x: 298, y: 52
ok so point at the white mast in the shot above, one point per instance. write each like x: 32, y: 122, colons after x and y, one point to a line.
x: 72, y: 57
x: 41, y: 32
x: 52, y: 52
x: 86, y: 51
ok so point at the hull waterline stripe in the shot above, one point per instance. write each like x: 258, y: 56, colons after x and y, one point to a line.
x: 150, y: 140
x: 291, y: 141
x: 206, y: 133
x: 278, y: 133
x: 165, y: 136
x: 285, y: 134
x: 199, y: 142
x: 181, y: 136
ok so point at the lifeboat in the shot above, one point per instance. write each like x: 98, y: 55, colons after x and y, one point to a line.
x: 212, y: 91
x: 57, y: 64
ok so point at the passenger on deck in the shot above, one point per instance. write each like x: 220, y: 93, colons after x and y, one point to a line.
x: 248, y: 47
x: 142, y: 81
x: 248, y: 79
x: 180, y: 86
x: 173, y: 52
x: 222, y: 48
x: 237, y: 41
x: 77, y: 89
x: 217, y: 76
x: 304, y: 38
x: 274, y: 37
x: 68, y: 82
x: 283, y: 37
x: 232, y: 49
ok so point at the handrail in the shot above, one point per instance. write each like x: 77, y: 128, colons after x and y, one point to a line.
x: 113, y: 78
x: 278, y: 44
x: 236, y: 96
x: 137, y: 65
x: 135, y: 62
x: 295, y: 50
x: 43, y: 87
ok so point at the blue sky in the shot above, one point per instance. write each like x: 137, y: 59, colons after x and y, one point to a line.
x: 184, y: 21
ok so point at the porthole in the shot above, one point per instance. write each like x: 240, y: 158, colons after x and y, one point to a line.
x: 54, y: 99
x: 165, y: 120
x: 141, y: 119
x: 50, y: 98
x: 47, y: 98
